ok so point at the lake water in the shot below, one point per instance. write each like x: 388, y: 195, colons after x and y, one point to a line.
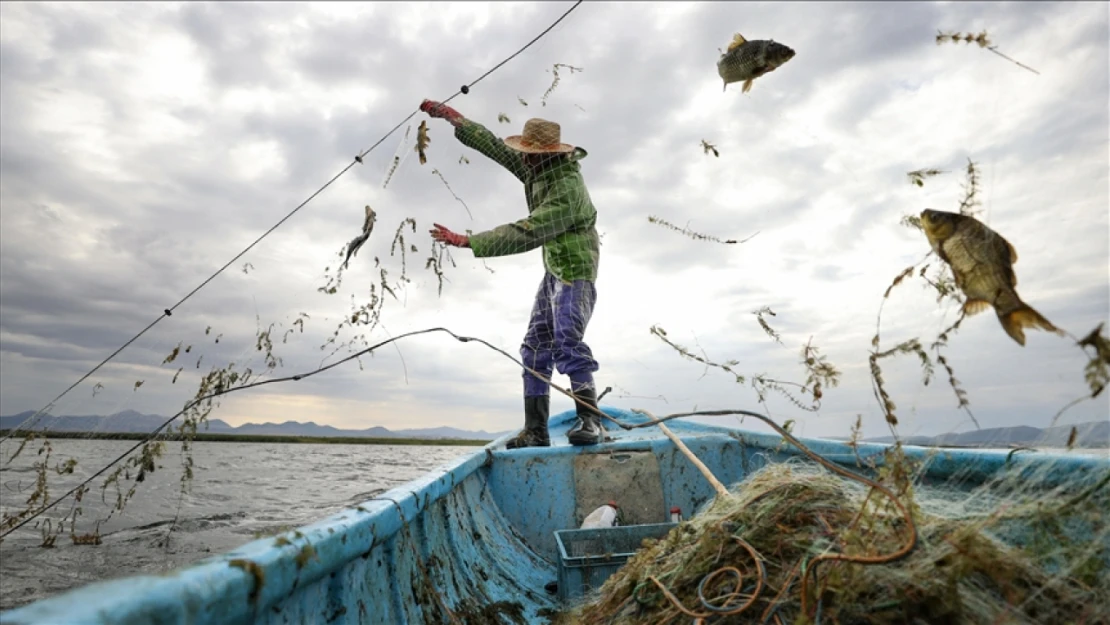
x: 239, y: 491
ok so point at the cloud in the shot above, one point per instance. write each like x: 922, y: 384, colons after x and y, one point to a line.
x: 136, y: 165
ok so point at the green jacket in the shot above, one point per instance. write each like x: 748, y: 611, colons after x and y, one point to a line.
x: 561, y: 216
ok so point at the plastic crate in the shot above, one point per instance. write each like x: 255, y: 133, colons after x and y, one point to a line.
x: 587, y: 557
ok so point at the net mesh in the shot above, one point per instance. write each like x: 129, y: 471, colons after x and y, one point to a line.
x: 561, y: 220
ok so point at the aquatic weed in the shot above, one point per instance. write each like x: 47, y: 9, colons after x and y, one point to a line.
x: 983, y: 39
x: 694, y: 235
x: 555, y: 79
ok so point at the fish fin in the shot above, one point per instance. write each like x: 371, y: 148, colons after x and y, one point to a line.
x: 973, y: 307
x: 737, y: 41
x: 1010, y: 247
x: 1025, y: 317
x: 747, y: 86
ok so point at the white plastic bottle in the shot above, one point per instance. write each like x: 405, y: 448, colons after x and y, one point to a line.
x: 676, y: 514
x: 605, y: 516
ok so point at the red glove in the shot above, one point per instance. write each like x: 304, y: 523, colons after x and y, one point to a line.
x: 435, y: 109
x: 445, y: 236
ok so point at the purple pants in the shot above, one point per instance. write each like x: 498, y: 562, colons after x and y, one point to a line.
x: 554, y: 337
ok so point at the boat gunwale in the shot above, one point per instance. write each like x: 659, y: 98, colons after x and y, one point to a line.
x: 209, y: 587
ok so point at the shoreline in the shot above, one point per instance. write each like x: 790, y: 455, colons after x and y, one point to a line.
x: 211, y: 437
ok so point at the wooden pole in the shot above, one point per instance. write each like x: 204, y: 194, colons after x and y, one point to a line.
x: 717, y: 485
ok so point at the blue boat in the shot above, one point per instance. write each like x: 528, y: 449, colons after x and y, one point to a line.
x: 475, y: 541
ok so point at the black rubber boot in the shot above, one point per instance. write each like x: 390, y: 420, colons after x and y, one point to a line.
x: 587, y: 430
x: 534, y: 434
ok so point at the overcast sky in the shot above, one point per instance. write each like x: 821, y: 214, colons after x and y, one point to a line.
x: 144, y: 145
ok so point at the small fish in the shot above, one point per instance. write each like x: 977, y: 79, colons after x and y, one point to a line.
x: 747, y: 60
x: 367, y: 227
x: 982, y: 264
x: 422, y: 141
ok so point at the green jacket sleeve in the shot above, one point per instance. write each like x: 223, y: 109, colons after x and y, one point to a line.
x: 565, y: 209
x: 478, y: 137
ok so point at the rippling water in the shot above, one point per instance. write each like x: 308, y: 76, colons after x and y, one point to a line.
x: 239, y: 492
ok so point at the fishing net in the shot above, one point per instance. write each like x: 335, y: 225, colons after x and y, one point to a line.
x: 798, y: 543
x: 562, y: 221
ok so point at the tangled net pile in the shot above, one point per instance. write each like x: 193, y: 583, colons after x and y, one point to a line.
x: 983, y: 555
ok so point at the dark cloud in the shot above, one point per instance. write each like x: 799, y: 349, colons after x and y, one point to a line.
x: 236, y: 56
x: 16, y: 63
x: 83, y: 31
x: 828, y: 272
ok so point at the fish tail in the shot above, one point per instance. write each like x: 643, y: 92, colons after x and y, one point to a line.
x: 1023, y: 316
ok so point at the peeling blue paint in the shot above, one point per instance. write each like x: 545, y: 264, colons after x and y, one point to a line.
x: 483, y: 528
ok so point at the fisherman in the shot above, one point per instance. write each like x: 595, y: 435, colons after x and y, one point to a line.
x: 561, y: 219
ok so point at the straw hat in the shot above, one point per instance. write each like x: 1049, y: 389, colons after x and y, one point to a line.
x: 540, y: 137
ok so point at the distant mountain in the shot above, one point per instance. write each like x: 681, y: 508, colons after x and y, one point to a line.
x: 1093, y: 434
x: 126, y: 421
x: 132, y: 421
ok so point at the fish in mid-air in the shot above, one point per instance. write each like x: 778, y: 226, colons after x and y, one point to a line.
x: 422, y: 141
x: 747, y: 60
x: 982, y: 264
x: 367, y: 227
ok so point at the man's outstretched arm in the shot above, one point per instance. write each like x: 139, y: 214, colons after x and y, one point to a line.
x: 566, y: 210
x: 476, y: 136
x: 563, y: 212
